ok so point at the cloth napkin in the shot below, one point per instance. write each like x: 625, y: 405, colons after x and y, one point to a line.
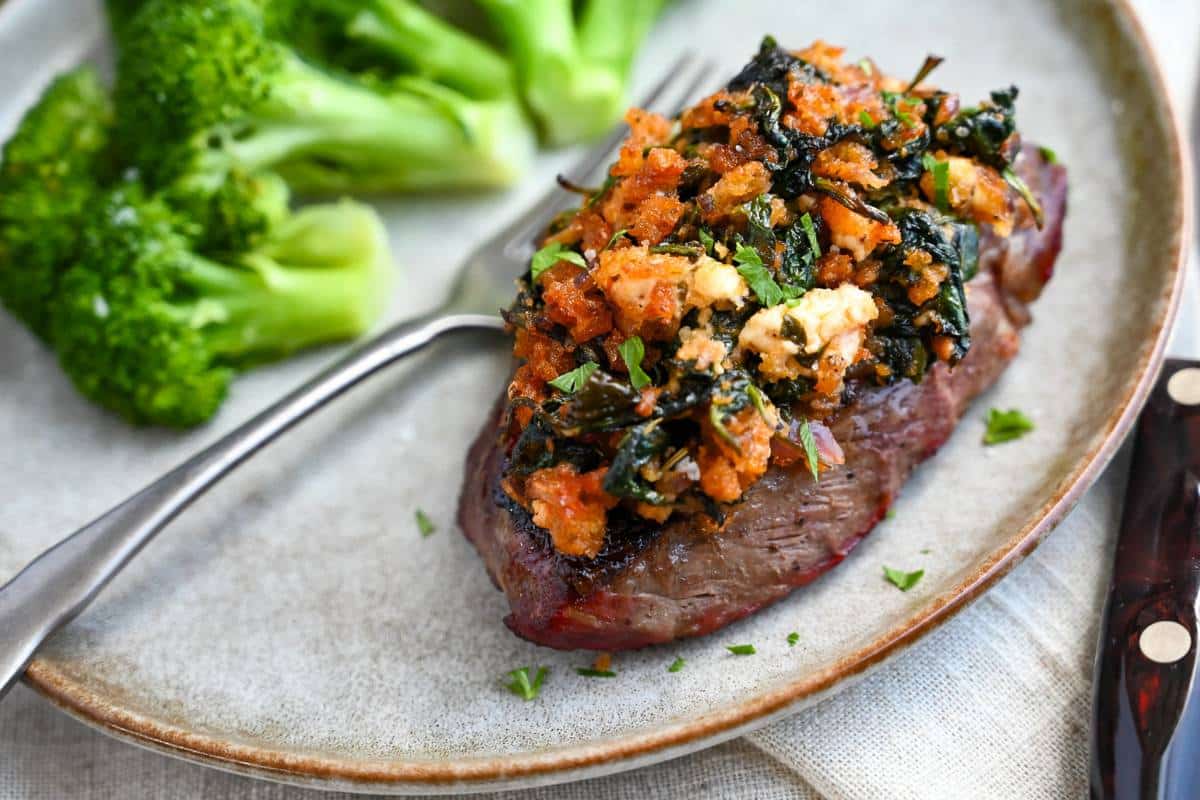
x: 994, y: 704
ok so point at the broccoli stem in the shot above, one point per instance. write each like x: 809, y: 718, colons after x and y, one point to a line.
x: 611, y: 30
x: 324, y: 134
x: 573, y: 78
x: 322, y: 278
x: 433, y: 48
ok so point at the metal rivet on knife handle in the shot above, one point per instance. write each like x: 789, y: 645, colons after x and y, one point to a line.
x: 1165, y: 641
x: 1184, y: 387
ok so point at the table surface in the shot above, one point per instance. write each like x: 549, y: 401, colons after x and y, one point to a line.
x: 920, y: 727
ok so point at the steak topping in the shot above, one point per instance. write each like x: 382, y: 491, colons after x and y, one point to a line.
x: 809, y: 228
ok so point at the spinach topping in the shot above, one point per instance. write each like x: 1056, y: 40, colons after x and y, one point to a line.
x: 637, y: 447
x: 633, y: 419
x: 771, y: 67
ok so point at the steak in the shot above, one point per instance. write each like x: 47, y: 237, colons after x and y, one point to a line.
x: 654, y: 583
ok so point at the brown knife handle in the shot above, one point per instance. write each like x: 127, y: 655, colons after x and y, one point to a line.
x: 1145, y: 732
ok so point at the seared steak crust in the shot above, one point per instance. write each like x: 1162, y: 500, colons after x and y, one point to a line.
x: 655, y: 583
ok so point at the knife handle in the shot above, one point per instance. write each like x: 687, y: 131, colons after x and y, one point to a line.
x: 1145, y: 732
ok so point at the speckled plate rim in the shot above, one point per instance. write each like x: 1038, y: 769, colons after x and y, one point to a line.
x: 629, y: 752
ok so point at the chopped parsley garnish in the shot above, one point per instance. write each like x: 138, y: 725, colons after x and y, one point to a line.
x: 676, y: 665
x: 810, y: 449
x: 756, y: 397
x: 891, y: 513
x: 941, y: 180
x: 550, y: 255
x: 758, y: 277
x: 903, y: 580
x: 1004, y: 426
x: 592, y: 672
x: 632, y: 352
x: 1048, y: 155
x: 570, y: 382
x: 616, y: 235
x: 741, y: 649
x: 792, y: 638
x: 520, y: 684
x: 716, y: 418
x: 706, y: 240
x: 865, y: 119
x: 1014, y: 180
x: 425, y: 524
x: 810, y: 231
x: 926, y: 551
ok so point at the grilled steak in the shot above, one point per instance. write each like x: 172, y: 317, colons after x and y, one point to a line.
x: 655, y: 583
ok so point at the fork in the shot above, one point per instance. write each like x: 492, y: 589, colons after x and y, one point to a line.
x: 57, y: 585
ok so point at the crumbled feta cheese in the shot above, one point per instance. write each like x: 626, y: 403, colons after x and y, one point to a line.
x: 761, y: 334
x: 699, y: 346
x: 827, y: 317
x: 824, y: 314
x: 713, y: 283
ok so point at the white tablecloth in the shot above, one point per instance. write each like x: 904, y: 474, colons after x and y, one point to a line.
x: 995, y: 704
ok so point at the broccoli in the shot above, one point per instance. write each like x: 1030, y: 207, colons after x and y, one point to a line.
x: 51, y: 167
x: 147, y: 327
x: 392, y: 36
x: 119, y: 13
x: 206, y: 91
x: 573, y: 74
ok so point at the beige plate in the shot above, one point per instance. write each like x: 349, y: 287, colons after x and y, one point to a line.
x: 295, y: 626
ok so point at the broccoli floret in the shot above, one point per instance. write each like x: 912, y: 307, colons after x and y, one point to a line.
x: 205, y: 92
x: 150, y: 329
x: 573, y: 71
x: 231, y: 210
x: 392, y: 36
x: 119, y: 13
x: 50, y: 169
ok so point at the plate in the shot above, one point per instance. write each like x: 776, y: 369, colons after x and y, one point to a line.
x: 294, y: 625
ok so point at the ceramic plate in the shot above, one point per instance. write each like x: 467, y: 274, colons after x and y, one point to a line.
x: 295, y: 625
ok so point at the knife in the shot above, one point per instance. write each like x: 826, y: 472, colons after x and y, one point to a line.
x: 1146, y: 704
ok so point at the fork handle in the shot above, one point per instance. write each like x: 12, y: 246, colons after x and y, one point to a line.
x: 53, y: 588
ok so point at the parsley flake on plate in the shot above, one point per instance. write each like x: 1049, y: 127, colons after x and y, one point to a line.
x: 592, y: 672
x: 676, y: 665
x: 741, y: 649
x: 522, y: 686
x: 903, y: 580
x: 792, y: 638
x: 425, y: 524
x: 1004, y: 426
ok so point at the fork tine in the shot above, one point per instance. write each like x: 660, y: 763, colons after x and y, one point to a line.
x: 521, y: 232
x: 703, y: 75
